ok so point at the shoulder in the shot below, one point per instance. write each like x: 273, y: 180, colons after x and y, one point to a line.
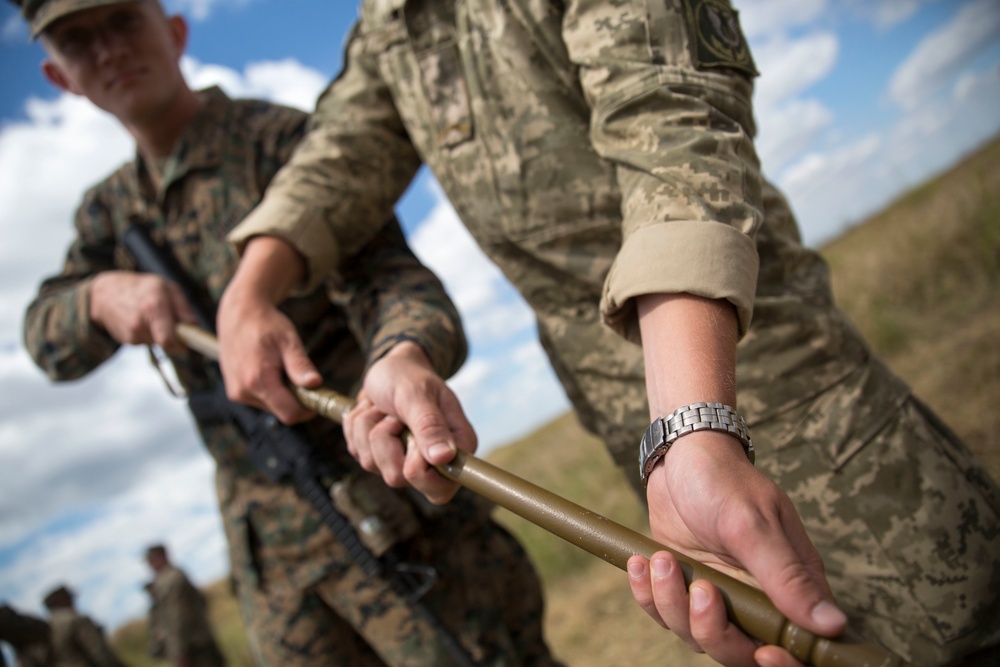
x: 169, y: 577
x: 261, y: 115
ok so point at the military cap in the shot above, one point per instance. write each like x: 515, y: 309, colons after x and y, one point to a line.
x: 40, y: 14
x: 57, y: 595
x: 156, y: 550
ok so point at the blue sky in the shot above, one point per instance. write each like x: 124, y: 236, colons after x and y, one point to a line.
x: 858, y: 101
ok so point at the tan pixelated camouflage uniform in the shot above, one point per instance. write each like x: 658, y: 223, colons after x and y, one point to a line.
x: 302, y: 598
x: 603, y: 150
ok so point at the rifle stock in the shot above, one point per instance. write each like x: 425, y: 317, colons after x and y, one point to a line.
x: 749, y: 608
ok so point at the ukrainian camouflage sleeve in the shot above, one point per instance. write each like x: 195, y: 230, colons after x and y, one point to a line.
x: 354, y: 163
x: 58, y: 332
x: 669, y: 85
x: 389, y: 296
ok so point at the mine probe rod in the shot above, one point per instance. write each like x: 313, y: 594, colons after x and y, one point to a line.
x: 748, y: 607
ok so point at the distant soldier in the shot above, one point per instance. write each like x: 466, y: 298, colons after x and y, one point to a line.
x: 157, y: 648
x: 179, y: 615
x: 76, y: 640
x: 27, y: 635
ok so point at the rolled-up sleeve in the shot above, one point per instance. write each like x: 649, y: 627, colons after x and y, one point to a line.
x: 676, y: 119
x: 346, y: 175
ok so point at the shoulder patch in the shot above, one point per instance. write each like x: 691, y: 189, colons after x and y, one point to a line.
x: 716, y: 37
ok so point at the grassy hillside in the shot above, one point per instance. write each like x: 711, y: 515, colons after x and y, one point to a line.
x: 922, y: 281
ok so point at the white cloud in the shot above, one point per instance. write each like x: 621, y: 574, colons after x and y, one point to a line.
x: 46, y: 162
x: 790, y: 66
x: 832, y: 189
x: 790, y: 129
x: 883, y: 14
x: 941, y: 54
x: 285, y: 82
x: 975, y: 87
x: 199, y: 10
x: 14, y: 30
x: 761, y: 18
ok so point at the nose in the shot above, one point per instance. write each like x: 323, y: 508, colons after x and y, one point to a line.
x: 108, y: 44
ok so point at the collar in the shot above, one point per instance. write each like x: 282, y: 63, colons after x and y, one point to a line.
x: 201, y: 146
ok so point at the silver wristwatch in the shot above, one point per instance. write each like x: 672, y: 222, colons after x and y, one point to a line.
x: 664, y: 431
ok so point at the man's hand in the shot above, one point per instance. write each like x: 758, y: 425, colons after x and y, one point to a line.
x: 258, y: 344
x: 402, y: 388
x: 711, y: 504
x: 707, y: 501
x: 138, y: 308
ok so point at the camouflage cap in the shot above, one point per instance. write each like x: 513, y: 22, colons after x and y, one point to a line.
x: 40, y: 14
x: 57, y: 596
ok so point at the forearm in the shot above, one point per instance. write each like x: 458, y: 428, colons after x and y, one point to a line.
x: 269, y: 270
x: 59, y: 334
x: 689, y: 345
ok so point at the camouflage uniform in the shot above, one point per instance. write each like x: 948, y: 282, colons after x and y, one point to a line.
x: 78, y: 642
x: 301, y: 596
x: 181, y: 616
x: 599, y: 151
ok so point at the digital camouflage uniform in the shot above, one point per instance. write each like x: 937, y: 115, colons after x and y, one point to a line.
x: 599, y: 151
x: 303, y: 600
x: 181, y: 620
x: 77, y: 641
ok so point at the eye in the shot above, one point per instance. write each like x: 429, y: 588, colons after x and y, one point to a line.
x: 73, y: 43
x: 125, y: 22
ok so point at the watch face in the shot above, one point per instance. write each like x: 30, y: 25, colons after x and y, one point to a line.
x: 652, y: 440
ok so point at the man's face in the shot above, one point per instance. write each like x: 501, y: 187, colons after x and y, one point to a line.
x: 122, y: 57
x: 156, y: 561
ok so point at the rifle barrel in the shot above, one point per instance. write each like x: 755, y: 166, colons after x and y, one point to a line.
x: 748, y: 607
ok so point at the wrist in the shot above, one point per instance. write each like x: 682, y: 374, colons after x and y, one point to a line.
x: 720, y: 421
x: 410, y: 352
x: 96, y: 295
x: 268, y: 271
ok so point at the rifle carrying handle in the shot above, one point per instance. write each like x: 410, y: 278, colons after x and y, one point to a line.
x: 749, y: 608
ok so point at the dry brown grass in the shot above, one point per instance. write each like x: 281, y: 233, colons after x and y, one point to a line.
x: 922, y: 281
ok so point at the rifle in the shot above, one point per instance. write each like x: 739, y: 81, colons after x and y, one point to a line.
x: 748, y: 607
x: 282, y: 453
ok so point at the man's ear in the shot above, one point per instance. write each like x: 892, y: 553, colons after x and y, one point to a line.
x: 178, y: 33
x: 57, y: 78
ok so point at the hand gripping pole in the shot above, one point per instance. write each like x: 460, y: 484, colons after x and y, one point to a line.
x: 748, y: 607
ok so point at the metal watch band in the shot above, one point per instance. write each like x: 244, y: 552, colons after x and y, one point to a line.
x: 664, y: 431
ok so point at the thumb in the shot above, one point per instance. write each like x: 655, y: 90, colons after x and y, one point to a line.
x: 298, y: 367
x: 461, y: 430
x: 790, y: 571
x: 426, y: 420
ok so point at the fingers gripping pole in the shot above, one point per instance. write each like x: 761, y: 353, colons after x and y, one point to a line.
x: 748, y: 607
